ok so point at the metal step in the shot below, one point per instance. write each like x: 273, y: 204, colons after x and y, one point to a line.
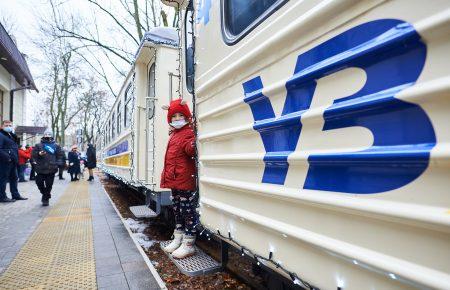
x: 142, y: 211
x: 199, y: 264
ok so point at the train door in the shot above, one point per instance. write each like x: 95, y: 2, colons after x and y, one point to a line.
x: 141, y: 120
x: 150, y: 126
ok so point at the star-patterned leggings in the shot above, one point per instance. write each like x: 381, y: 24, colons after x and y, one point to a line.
x: 184, y: 204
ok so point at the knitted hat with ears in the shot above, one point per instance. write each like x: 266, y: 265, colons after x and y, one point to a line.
x: 177, y: 106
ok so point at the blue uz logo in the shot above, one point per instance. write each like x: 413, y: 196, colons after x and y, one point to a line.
x: 392, y: 55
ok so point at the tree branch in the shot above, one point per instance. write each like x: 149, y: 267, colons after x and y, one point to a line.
x: 115, y: 20
x: 81, y: 37
x: 136, y: 19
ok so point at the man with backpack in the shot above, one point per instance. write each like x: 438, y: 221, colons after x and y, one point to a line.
x: 47, y: 156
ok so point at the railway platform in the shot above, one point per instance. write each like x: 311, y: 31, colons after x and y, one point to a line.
x: 78, y: 242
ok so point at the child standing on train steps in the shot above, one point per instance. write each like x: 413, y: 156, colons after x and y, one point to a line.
x: 179, y: 174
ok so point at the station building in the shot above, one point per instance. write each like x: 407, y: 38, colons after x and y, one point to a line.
x: 15, y: 80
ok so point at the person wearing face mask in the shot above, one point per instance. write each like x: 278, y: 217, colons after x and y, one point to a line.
x: 47, y: 156
x: 179, y: 174
x: 74, y: 163
x: 8, y: 172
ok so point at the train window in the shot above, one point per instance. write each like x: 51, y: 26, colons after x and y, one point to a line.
x: 239, y: 17
x: 189, y: 50
x: 108, y: 132
x: 151, y: 92
x: 119, y: 117
x: 127, y: 107
x: 113, y: 125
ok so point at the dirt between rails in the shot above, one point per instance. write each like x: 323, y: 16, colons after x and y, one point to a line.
x: 158, y: 230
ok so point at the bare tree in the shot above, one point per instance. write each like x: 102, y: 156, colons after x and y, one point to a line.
x: 9, y: 24
x: 60, y: 98
x: 61, y: 79
x: 94, y: 107
x: 101, y: 52
x: 76, y: 45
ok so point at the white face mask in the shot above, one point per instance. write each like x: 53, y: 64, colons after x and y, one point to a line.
x: 178, y: 124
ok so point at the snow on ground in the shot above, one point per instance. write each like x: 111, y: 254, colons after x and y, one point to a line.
x: 137, y: 228
x: 143, y: 240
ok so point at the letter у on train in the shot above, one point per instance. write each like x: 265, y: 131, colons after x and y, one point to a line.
x: 392, y: 55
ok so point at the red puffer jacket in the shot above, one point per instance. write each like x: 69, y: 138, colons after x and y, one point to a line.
x: 24, y: 155
x: 179, y: 164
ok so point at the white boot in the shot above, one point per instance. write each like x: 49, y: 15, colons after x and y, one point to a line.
x: 186, y: 249
x: 176, y: 242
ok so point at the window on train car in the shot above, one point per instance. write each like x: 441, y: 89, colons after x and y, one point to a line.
x: 127, y: 107
x: 108, y: 138
x: 239, y: 17
x: 119, y: 117
x: 113, y: 125
x: 151, y: 92
x: 189, y: 50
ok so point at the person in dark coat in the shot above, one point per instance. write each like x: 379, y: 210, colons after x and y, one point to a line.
x: 62, y: 167
x: 5, y: 160
x: 91, y: 162
x: 74, y: 163
x: 4, y: 154
x: 47, y: 156
x: 8, y: 171
x: 32, y: 172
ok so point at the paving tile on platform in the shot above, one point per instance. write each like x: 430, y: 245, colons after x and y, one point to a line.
x: 133, y: 266
x: 116, y: 280
x: 118, y: 287
x: 111, y: 242
x: 107, y: 270
x: 140, y: 280
x: 101, y: 262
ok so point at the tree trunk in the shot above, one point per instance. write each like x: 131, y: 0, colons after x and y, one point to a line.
x: 65, y: 97
x: 136, y: 19
x: 175, y: 18
x: 164, y: 18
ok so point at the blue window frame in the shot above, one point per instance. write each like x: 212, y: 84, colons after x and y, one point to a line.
x: 239, y: 17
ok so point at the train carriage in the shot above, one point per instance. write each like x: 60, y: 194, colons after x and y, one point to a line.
x: 135, y: 133
x: 323, y: 136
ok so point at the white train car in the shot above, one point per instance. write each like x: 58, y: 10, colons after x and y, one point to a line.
x: 135, y: 133
x: 323, y: 136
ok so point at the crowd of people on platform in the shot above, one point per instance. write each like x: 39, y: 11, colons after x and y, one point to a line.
x: 46, y: 159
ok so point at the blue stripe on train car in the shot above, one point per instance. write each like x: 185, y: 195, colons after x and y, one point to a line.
x: 392, y: 55
x: 121, y: 147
